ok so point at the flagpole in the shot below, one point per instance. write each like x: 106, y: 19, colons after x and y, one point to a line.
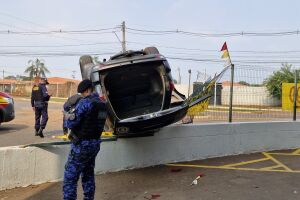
x: 231, y: 88
x: 227, y: 55
x: 231, y: 93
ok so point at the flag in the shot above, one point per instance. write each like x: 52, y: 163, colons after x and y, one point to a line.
x: 224, y: 47
x: 225, y: 51
x: 225, y: 54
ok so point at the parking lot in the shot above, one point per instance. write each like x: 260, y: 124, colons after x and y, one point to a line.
x: 264, y: 176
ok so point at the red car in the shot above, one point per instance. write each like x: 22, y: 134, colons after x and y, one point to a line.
x: 7, y: 111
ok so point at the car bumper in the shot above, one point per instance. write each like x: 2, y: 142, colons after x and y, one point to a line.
x: 8, y: 113
x: 142, y: 125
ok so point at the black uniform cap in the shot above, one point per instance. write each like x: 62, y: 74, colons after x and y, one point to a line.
x: 84, y: 85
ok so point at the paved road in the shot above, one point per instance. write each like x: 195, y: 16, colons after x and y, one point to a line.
x: 21, y: 129
x: 217, y: 184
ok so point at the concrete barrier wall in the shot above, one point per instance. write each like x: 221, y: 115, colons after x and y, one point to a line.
x: 32, y: 165
x: 249, y: 96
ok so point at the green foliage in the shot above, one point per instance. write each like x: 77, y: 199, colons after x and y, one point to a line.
x: 96, y: 60
x: 256, y: 85
x: 244, y: 83
x: 10, y: 77
x: 274, y: 82
x: 23, y: 78
x: 36, y: 67
x: 248, y: 84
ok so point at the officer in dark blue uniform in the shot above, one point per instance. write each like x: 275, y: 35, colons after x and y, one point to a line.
x: 86, y: 128
x: 39, y: 103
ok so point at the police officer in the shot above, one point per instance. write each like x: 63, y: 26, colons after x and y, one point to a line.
x: 86, y: 128
x: 39, y: 103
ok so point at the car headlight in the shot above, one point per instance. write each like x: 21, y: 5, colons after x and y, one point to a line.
x: 8, y: 100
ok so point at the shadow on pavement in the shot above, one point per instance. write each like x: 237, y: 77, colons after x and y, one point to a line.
x: 8, y: 128
x: 50, y: 191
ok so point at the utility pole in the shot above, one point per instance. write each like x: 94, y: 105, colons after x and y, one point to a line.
x: 295, y: 97
x: 190, y: 72
x: 73, y: 74
x: 123, y: 37
x: 3, y: 75
x: 179, y: 76
x: 231, y: 92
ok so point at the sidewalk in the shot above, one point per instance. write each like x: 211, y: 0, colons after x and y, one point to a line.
x: 217, y: 184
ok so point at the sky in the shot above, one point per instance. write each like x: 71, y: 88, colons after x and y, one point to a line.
x: 211, y: 17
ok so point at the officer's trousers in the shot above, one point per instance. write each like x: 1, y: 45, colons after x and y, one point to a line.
x: 81, y: 161
x: 41, y: 117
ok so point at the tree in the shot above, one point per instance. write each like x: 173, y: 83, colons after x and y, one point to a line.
x: 96, y: 60
x: 36, y: 67
x: 23, y: 78
x: 284, y: 75
x: 244, y: 83
x: 11, y: 77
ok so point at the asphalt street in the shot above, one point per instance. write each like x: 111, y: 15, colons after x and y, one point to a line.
x: 20, y: 131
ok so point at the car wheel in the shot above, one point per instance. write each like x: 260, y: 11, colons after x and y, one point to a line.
x: 151, y: 50
x: 86, y: 64
x: 85, y: 60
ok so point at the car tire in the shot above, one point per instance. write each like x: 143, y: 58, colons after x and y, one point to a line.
x: 151, y: 50
x: 86, y: 65
x: 86, y: 59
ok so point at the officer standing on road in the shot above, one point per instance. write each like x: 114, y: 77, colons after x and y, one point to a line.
x: 86, y: 128
x: 39, y: 103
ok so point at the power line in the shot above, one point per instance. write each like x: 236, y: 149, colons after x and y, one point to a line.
x: 56, y: 46
x: 236, y: 61
x: 151, y: 32
x: 60, y: 31
x: 199, y: 34
x: 278, y: 56
x: 37, y: 25
x: 20, y: 54
x: 215, y: 50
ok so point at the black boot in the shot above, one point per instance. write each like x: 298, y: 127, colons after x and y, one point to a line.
x: 36, y: 132
x: 40, y: 133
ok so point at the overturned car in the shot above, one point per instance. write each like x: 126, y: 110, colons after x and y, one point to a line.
x: 138, y: 87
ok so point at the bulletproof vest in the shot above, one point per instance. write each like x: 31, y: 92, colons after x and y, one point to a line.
x: 37, y: 93
x: 93, y: 123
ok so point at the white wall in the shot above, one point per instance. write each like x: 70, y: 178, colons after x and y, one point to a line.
x: 32, y: 165
x: 246, y: 95
x: 184, y: 88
